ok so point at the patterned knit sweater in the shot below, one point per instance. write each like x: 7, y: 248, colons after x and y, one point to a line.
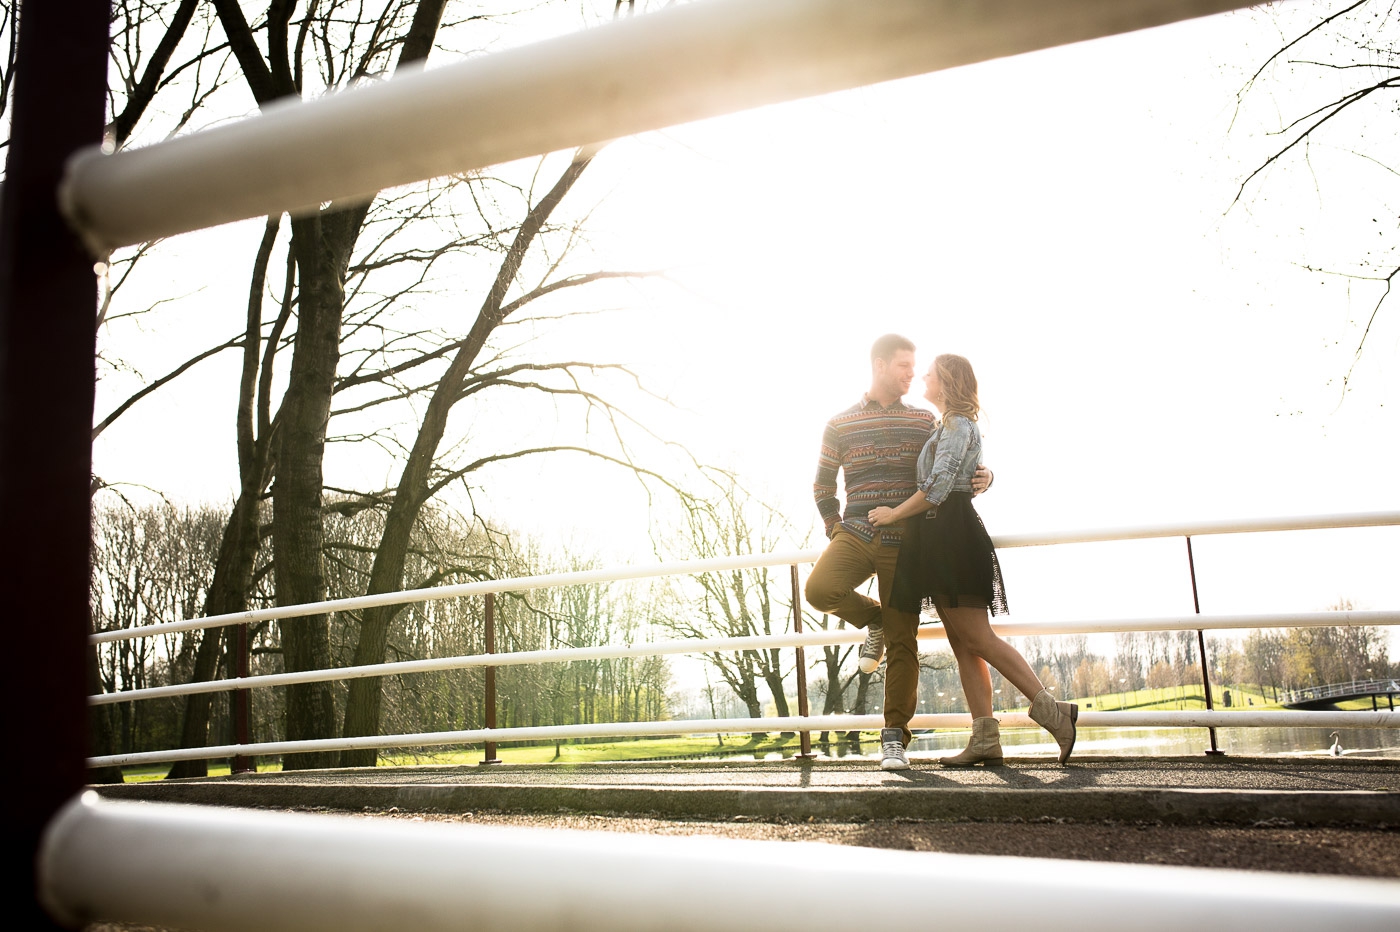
x: 876, y: 447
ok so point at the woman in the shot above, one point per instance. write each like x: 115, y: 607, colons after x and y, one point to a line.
x: 946, y: 562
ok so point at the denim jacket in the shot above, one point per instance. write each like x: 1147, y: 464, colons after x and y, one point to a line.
x: 949, y: 458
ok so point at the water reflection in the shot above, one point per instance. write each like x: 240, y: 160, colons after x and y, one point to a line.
x: 1183, y: 742
x: 1148, y: 742
x: 1127, y: 742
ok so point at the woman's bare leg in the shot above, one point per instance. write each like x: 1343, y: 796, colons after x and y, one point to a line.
x: 972, y: 628
x: 972, y: 671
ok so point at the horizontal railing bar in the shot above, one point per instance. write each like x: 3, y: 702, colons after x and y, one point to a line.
x: 1202, y: 529
x: 508, y: 659
x: 753, y: 561
x: 183, y: 866
x: 686, y: 63
x: 515, y: 584
x: 752, y: 642
x: 744, y: 726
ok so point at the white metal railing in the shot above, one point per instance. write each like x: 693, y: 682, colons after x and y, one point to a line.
x: 780, y: 558
x: 487, y: 587
x: 798, y: 640
x: 674, y: 66
x: 223, y: 869
x: 712, y: 726
x: 751, y: 642
x: 1376, y: 687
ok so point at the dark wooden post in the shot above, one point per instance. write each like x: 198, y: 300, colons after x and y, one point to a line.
x: 48, y: 341
x: 490, y: 756
x: 240, y: 704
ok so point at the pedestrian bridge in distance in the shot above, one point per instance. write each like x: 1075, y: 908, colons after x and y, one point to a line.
x: 1323, y: 697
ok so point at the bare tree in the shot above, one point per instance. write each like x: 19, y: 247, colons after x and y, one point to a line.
x: 150, y: 564
x: 1338, y: 76
x: 10, y: 36
x: 1129, y: 659
x: 322, y: 244
x: 736, y: 603
x: 345, y: 342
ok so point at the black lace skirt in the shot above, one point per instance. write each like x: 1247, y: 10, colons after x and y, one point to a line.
x: 948, y: 558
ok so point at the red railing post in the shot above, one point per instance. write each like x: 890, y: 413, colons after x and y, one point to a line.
x: 1201, y: 642
x: 241, y: 704
x: 804, y: 737
x: 491, y: 757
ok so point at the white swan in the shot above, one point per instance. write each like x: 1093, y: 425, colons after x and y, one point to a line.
x: 1336, y: 749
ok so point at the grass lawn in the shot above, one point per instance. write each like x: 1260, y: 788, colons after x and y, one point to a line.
x: 1363, y: 705
x: 150, y: 772
x: 678, y: 746
x: 1185, y: 698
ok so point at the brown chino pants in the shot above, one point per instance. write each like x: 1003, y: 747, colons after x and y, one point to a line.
x: 846, y: 564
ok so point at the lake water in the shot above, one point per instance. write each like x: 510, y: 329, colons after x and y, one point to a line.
x: 1154, y: 742
x: 1185, y: 742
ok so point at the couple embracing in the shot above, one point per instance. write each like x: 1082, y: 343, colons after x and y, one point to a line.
x: 909, y: 521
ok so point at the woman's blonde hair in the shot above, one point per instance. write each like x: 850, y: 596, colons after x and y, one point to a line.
x: 959, y: 386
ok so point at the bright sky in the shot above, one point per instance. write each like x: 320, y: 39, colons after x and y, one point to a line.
x: 1059, y: 218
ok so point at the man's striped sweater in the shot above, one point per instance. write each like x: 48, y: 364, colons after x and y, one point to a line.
x: 876, y: 448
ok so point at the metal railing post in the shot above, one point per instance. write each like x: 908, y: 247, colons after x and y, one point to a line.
x: 490, y: 757
x: 805, y: 737
x: 1201, y: 642
x: 241, y: 702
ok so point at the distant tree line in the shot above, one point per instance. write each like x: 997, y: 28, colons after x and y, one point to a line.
x: 1269, y: 660
x: 155, y: 563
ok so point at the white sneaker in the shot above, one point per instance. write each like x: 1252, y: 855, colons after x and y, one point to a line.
x: 873, y: 649
x: 892, y: 756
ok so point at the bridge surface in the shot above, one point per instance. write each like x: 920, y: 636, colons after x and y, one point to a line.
x: 1195, y: 790
x: 1326, y: 697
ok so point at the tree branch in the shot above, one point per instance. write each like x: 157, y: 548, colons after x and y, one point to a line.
x: 140, y: 96
x: 1314, y: 28
x: 1336, y: 107
x: 163, y: 380
x: 1389, y: 279
x: 456, y: 474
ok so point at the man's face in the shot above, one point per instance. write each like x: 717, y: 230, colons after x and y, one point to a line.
x: 895, y: 374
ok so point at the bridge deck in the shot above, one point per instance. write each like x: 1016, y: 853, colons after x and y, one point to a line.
x: 1244, y: 791
x: 1326, y: 697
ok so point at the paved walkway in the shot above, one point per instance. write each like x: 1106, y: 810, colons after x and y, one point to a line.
x: 1242, y: 791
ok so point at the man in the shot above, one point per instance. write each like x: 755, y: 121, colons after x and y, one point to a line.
x: 876, y: 445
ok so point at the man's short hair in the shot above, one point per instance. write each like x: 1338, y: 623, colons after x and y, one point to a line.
x: 889, y: 344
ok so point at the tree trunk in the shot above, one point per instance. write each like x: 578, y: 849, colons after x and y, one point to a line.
x: 194, y: 728
x: 233, y: 571
x: 227, y: 593
x: 858, y: 707
x: 298, y: 526
x: 99, y: 723
x: 363, y: 705
x: 748, y: 694
x: 774, y: 679
x: 323, y: 245
x: 835, y: 691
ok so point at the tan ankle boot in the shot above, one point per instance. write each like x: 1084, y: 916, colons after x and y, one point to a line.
x: 1058, y: 718
x: 983, y: 748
